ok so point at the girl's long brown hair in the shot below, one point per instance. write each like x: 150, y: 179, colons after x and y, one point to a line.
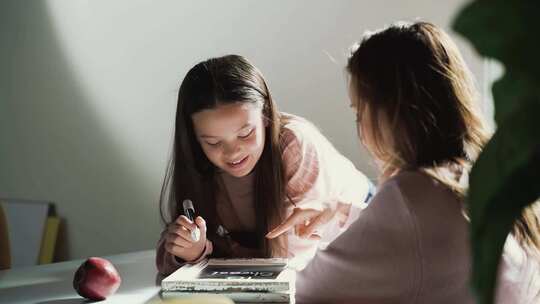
x: 224, y: 80
x: 417, y: 95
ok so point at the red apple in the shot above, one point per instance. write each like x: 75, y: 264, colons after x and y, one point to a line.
x: 96, y: 279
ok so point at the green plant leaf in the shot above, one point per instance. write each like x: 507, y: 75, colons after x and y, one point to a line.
x: 505, y: 30
x: 508, y: 91
x: 504, y: 180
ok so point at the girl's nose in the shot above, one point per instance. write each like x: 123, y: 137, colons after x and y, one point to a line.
x: 232, y: 150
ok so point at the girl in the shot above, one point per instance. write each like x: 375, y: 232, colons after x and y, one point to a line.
x: 413, y: 97
x: 246, y: 167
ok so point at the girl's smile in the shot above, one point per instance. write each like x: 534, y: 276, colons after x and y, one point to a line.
x: 236, y: 165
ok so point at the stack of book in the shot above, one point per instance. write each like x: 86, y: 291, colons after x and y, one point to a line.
x: 241, y: 280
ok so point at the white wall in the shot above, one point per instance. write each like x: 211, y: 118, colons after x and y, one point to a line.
x: 88, y: 92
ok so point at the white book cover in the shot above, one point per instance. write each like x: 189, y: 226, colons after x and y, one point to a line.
x: 232, y: 275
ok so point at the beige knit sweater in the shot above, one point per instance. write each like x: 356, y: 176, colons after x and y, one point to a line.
x: 410, y: 245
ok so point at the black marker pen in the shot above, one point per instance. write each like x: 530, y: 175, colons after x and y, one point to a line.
x: 189, y: 212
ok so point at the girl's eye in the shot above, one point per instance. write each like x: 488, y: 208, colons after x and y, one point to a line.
x: 213, y: 144
x: 247, y: 134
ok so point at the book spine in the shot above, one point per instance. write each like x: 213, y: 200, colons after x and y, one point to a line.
x: 224, y: 286
x: 48, y: 243
x: 242, y: 297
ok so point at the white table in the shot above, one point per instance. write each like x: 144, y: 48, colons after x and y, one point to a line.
x: 53, y: 283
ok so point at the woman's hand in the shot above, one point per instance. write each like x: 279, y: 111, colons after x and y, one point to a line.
x: 304, y: 222
x: 179, y: 241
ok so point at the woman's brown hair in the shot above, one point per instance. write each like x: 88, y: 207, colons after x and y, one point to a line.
x: 416, y: 106
x: 224, y: 80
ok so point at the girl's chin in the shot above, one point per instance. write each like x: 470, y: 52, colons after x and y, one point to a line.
x: 236, y: 174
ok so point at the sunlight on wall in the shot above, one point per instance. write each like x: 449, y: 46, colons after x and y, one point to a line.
x: 115, y: 67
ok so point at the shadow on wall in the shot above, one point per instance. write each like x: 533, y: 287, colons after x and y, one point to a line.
x: 53, y: 146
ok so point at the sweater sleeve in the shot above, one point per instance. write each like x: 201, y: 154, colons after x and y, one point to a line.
x: 318, y: 176
x: 301, y: 167
x: 518, y: 278
x: 374, y: 261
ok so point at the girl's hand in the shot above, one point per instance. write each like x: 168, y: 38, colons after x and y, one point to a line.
x: 179, y: 241
x: 304, y: 222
